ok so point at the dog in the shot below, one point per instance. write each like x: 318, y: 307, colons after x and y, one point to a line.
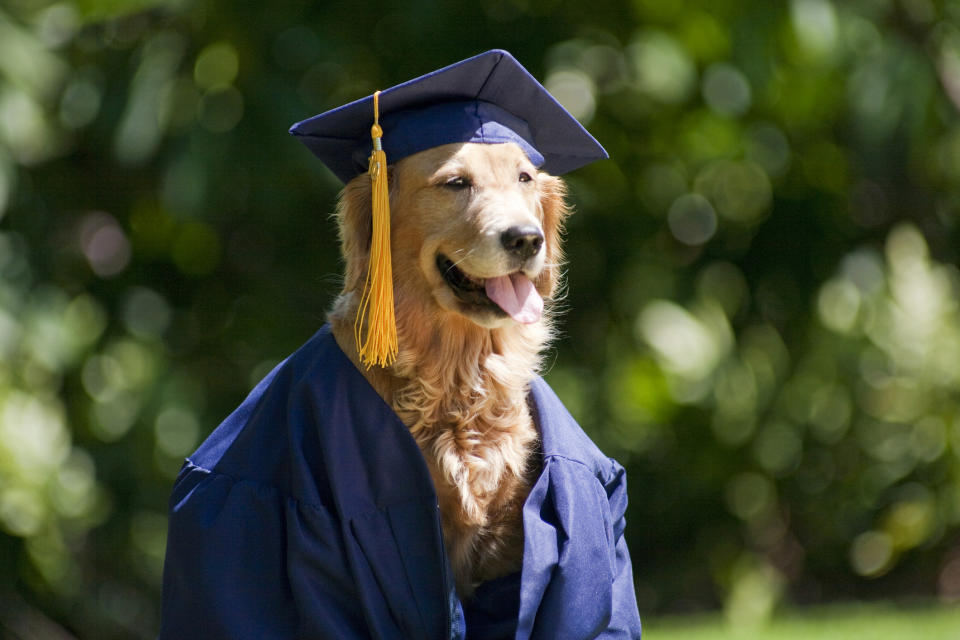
x: 465, y: 499
x: 476, y: 241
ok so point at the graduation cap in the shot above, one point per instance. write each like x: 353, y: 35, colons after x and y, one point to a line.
x: 489, y: 98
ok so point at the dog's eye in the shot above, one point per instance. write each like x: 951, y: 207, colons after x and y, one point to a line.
x: 459, y: 182
x: 525, y: 177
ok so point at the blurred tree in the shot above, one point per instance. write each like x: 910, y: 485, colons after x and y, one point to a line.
x: 762, y: 319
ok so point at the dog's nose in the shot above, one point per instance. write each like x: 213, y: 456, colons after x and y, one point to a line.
x: 522, y: 242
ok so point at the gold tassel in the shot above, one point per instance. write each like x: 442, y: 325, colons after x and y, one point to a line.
x: 379, y: 346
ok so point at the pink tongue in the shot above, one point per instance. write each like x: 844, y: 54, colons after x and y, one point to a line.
x: 515, y: 295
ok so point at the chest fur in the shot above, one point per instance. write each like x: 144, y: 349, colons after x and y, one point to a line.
x: 481, y: 449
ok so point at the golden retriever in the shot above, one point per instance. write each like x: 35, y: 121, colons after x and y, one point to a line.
x: 470, y: 223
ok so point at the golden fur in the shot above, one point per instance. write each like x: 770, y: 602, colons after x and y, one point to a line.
x: 461, y: 378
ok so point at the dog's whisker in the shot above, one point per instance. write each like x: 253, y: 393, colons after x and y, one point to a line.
x: 460, y: 261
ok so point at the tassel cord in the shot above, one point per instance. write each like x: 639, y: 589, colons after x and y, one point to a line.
x: 375, y: 313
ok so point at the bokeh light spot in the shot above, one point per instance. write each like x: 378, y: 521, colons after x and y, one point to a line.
x: 736, y: 396
x: 83, y: 321
x: 767, y: 145
x: 838, y: 305
x: 661, y: 184
x: 754, y: 591
x: 575, y: 91
x: 703, y: 35
x: 929, y: 438
x: 684, y: 344
x: 22, y: 512
x: 740, y: 191
x: 146, y: 313
x: 662, y: 68
x: 23, y: 127
x: 912, y: 518
x: 36, y: 428
x: 112, y: 417
x: 216, y: 66
x: 749, y: 495
x: 139, y: 133
x: 864, y: 268
x: 176, y: 430
x: 183, y: 192
x: 692, y: 219
x: 726, y: 90
x: 101, y: 376
x: 815, y: 25
x: 104, y: 244
x: 606, y: 67
x: 871, y: 553
x: 726, y: 284
x: 136, y: 363
x: 57, y: 24
x: 73, y: 489
x: 830, y: 411
x: 80, y: 103
x: 778, y: 448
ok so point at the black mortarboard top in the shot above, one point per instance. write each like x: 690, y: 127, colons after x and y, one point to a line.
x: 487, y: 98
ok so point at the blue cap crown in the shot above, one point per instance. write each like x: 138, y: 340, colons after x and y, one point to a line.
x: 489, y: 98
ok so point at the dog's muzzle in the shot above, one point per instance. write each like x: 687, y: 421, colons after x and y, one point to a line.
x: 512, y: 294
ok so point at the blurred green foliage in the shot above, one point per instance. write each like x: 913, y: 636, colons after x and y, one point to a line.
x: 762, y: 318
x: 874, y: 621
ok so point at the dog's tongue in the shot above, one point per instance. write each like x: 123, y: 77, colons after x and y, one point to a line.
x: 516, y: 295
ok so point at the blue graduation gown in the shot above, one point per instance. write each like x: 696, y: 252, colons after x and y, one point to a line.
x: 309, y: 513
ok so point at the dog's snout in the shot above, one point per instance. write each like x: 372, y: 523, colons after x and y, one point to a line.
x: 522, y: 241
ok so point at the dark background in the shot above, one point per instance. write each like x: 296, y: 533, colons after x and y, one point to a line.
x: 761, y: 318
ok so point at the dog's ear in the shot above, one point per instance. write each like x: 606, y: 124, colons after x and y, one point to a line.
x: 354, y: 215
x: 553, y: 192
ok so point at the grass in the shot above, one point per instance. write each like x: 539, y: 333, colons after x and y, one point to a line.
x: 841, y: 622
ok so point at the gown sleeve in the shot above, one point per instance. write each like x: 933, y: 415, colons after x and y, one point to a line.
x: 577, y: 580
x: 244, y: 561
x: 625, y: 616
